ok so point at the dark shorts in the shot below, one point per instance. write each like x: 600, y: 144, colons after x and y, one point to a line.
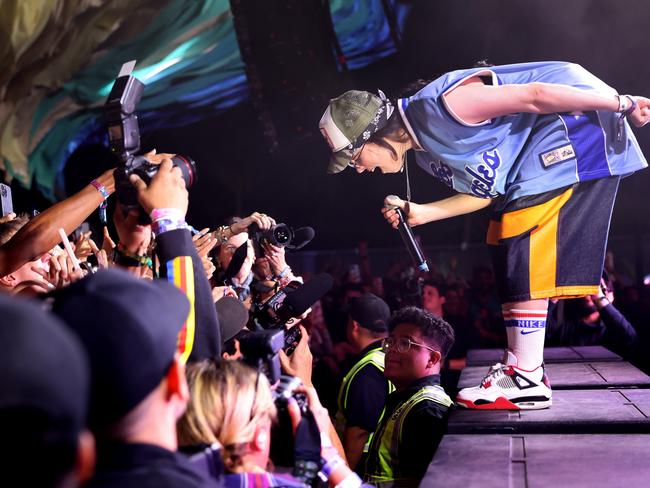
x: 552, y: 244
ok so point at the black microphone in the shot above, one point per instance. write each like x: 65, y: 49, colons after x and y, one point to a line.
x: 408, y: 238
x: 299, y: 300
x: 301, y: 237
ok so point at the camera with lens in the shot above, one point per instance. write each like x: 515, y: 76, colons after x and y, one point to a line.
x: 273, y: 313
x: 280, y: 235
x: 124, y: 140
x: 286, y: 304
x: 260, y: 350
x: 286, y: 389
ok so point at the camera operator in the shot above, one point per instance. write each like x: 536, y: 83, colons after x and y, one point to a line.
x: 165, y: 198
x: 232, y: 404
x: 231, y: 237
x: 592, y: 320
x: 43, y: 400
x: 132, y: 251
x: 40, y: 234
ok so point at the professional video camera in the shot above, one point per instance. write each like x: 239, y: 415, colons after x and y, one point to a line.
x: 280, y: 235
x: 260, y: 350
x: 289, y: 302
x: 124, y: 139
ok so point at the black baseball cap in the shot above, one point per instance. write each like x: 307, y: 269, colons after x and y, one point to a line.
x: 44, y: 388
x: 44, y: 367
x: 129, y: 328
x: 370, y: 312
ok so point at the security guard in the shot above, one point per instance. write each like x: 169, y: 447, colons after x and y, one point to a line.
x: 415, y: 416
x: 364, y: 388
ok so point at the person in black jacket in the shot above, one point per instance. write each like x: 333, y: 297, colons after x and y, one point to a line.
x: 415, y: 416
x: 137, y: 334
x: 592, y: 320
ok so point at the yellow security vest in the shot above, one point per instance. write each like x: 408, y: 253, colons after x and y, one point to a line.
x: 376, y: 358
x: 384, y: 448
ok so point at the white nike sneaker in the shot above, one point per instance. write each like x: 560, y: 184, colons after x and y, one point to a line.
x: 507, y: 387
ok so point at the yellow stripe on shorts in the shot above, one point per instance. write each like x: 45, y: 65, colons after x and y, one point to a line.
x: 543, y: 219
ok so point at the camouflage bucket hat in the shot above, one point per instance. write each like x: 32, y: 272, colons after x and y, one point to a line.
x: 349, y: 121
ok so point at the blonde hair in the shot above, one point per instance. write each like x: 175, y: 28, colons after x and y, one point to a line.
x: 227, y: 401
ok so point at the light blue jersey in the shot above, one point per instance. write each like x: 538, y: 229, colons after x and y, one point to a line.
x: 523, y: 153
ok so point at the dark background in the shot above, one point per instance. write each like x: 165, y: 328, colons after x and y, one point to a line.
x: 240, y: 173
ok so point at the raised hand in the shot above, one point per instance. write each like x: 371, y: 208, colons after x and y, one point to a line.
x: 410, y: 209
x: 300, y: 362
x: 204, y: 242
x: 82, y: 248
x: 275, y: 257
x: 641, y: 114
x: 62, y: 271
x: 166, y: 189
x: 7, y: 218
x: 100, y: 254
x: 262, y: 220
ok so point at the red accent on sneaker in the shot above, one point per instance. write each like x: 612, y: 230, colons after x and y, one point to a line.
x: 487, y: 384
x: 500, y: 403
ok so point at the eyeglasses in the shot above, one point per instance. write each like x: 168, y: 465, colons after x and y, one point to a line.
x: 355, y: 157
x: 401, y: 345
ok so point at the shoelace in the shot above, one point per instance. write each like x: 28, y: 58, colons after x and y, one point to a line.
x: 496, y: 371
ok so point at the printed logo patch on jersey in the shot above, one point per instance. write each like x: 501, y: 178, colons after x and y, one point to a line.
x: 557, y: 155
x: 443, y: 172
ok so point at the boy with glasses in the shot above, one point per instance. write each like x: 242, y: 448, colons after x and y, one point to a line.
x: 414, y: 418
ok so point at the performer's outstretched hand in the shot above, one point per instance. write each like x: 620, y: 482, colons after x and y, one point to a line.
x: 641, y: 114
x: 410, y: 209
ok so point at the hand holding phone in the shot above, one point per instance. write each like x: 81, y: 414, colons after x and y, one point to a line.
x: 6, y: 202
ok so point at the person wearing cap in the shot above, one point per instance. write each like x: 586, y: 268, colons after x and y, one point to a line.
x: 233, y: 317
x: 44, y: 390
x: 129, y: 329
x: 415, y: 416
x: 135, y: 333
x: 549, y: 142
x: 165, y: 200
x: 364, y: 388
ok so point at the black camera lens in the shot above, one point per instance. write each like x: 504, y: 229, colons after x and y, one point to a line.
x: 280, y: 235
x: 187, y: 167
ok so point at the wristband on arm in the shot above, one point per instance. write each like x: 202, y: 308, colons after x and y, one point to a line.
x: 626, y: 105
x: 102, y: 207
x: 166, y: 219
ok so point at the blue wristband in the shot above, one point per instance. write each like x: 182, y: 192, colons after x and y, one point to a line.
x: 330, y: 466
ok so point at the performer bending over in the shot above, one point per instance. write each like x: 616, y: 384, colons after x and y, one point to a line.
x: 548, y: 142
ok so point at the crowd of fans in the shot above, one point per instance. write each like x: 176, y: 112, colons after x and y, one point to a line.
x: 128, y: 362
